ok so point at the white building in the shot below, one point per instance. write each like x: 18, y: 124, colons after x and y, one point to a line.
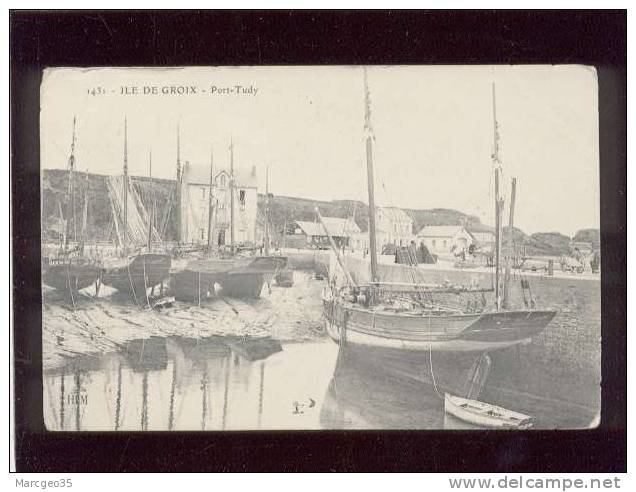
x: 195, y: 205
x: 305, y: 234
x: 444, y: 239
x: 393, y: 226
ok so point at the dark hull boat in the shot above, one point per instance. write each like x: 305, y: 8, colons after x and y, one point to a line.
x: 238, y: 277
x: 285, y: 278
x: 67, y: 274
x: 135, y: 274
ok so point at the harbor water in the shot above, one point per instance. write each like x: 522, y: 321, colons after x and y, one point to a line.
x: 268, y: 364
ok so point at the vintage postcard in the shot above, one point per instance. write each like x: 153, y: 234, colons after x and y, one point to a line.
x: 381, y: 247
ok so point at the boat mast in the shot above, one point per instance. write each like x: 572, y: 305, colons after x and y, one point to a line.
x: 231, y: 194
x: 84, y: 217
x: 369, y: 152
x: 498, y: 200
x: 152, y: 205
x: 178, y: 186
x: 70, y: 199
x: 267, y: 240
x: 511, y: 220
x: 211, y: 203
x: 125, y: 234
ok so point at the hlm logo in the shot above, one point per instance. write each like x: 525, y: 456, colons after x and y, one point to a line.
x: 78, y: 398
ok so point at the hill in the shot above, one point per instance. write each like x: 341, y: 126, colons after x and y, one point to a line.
x: 282, y: 208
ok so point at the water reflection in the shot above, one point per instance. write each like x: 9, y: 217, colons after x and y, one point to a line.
x: 181, y: 383
x: 242, y: 383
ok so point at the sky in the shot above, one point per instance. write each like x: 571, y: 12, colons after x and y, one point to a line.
x: 433, y: 128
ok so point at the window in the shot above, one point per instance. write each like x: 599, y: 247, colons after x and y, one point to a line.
x: 242, y: 199
x: 444, y: 243
x: 201, y: 233
x: 222, y: 180
x: 202, y: 193
x: 433, y: 243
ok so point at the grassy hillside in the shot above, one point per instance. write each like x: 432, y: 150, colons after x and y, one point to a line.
x: 282, y: 208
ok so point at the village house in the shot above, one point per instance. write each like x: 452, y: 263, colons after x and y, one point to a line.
x: 393, y: 226
x: 445, y: 239
x: 306, y: 234
x: 195, y: 205
x: 483, y: 237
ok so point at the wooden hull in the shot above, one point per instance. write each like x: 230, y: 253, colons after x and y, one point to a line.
x: 137, y: 274
x: 285, y: 278
x: 241, y: 278
x: 70, y: 276
x: 450, y: 332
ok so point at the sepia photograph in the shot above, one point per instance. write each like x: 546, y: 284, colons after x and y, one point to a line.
x: 320, y: 248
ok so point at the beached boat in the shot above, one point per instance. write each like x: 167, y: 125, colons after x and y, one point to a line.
x: 484, y: 414
x: 69, y: 273
x: 69, y: 269
x: 134, y: 273
x: 406, y: 316
x: 236, y: 276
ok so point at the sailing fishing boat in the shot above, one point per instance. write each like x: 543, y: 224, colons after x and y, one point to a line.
x: 236, y: 275
x: 69, y: 269
x: 135, y: 272
x: 406, y: 317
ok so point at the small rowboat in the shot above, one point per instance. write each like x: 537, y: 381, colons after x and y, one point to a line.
x: 484, y: 414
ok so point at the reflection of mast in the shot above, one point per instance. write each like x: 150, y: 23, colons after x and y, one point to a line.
x: 77, y: 398
x: 118, y: 400
x: 225, y: 390
x: 173, y: 387
x: 62, y: 396
x: 260, y: 394
x: 144, y: 402
x: 369, y: 151
x: 204, y: 396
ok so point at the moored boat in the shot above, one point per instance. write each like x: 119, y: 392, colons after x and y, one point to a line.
x: 68, y: 269
x: 406, y: 315
x: 484, y: 414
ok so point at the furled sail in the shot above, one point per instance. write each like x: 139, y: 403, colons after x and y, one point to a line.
x: 138, y: 219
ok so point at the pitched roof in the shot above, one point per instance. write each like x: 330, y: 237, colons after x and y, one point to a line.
x: 336, y: 226
x: 394, y: 214
x: 196, y: 174
x: 440, y: 231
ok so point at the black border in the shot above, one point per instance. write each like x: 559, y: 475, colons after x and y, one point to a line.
x: 168, y: 38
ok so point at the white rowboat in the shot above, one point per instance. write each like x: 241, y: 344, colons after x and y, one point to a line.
x: 484, y: 414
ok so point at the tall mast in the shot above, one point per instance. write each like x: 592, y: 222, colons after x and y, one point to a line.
x: 125, y: 234
x: 178, y: 186
x: 267, y: 239
x: 211, y: 203
x: 70, y: 199
x: 498, y: 200
x: 511, y: 221
x: 231, y: 194
x: 84, y: 217
x: 369, y: 151
x: 152, y: 205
